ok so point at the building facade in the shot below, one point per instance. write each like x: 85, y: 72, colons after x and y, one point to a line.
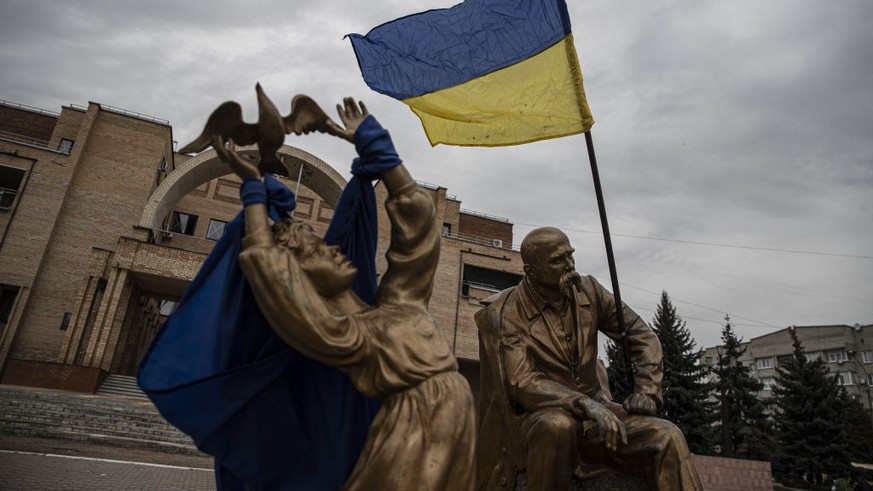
x: 103, y: 225
x: 843, y: 349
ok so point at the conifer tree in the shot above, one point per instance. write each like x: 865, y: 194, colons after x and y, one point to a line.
x: 617, y: 372
x: 810, y: 426
x: 685, y: 388
x: 741, y: 423
x: 860, y: 429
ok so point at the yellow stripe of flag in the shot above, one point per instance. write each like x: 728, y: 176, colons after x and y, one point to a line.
x: 538, y: 98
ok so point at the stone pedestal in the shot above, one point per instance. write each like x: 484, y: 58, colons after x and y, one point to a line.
x: 609, y: 480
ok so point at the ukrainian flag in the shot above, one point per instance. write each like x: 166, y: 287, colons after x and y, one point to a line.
x: 482, y: 73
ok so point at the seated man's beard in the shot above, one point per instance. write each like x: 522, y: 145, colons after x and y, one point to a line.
x: 568, y: 279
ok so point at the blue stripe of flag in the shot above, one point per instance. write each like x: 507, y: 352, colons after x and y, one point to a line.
x: 437, y: 49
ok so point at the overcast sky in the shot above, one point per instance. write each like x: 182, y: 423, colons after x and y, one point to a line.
x: 740, y: 123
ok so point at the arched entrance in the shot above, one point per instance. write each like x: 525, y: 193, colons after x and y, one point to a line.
x: 323, y: 179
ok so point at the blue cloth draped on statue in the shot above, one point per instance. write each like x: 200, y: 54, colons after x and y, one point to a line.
x: 354, y: 226
x: 271, y: 417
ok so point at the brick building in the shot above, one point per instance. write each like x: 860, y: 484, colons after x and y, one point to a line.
x: 102, y: 226
x: 843, y: 348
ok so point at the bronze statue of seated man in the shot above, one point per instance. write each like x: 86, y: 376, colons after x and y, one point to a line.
x: 543, y: 407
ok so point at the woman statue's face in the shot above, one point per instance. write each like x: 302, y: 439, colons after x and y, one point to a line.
x: 329, y: 270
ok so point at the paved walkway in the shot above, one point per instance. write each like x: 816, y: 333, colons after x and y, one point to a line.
x: 34, y: 471
x: 46, y: 464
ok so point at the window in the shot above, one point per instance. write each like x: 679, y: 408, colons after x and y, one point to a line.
x: 10, y: 181
x: 183, y: 223
x: 65, y: 322
x: 8, y: 294
x: 65, y: 146
x: 837, y: 356
x: 768, y: 383
x: 867, y: 356
x: 216, y: 229
x: 491, y: 280
x: 844, y: 378
x: 762, y: 363
x: 447, y: 229
x: 870, y: 380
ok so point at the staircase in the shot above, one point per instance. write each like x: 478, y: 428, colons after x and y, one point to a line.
x: 121, y: 386
x: 127, y: 421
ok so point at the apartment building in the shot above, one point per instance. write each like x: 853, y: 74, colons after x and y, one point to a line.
x: 843, y: 348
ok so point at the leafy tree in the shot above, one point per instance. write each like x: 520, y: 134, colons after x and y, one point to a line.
x: 810, y: 424
x: 686, y: 390
x: 617, y: 372
x: 741, y: 422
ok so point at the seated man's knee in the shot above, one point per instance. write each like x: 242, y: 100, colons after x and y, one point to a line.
x: 666, y: 434
x: 552, y: 424
x: 670, y: 431
x: 676, y: 439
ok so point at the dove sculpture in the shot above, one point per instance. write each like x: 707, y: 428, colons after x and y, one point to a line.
x: 268, y: 133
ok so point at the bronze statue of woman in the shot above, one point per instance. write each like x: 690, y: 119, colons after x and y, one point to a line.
x: 423, y: 436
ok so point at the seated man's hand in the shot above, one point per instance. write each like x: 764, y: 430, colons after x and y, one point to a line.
x: 614, y: 407
x: 638, y: 403
x: 611, y: 428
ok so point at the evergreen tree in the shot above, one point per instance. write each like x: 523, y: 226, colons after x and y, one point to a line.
x: 810, y: 425
x: 758, y: 436
x: 741, y: 424
x: 860, y: 429
x: 617, y: 372
x: 686, y: 390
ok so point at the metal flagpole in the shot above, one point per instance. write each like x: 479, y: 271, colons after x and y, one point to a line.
x: 610, y: 258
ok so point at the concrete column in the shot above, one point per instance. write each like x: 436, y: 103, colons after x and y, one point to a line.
x: 82, y: 312
x: 76, y: 328
x: 115, y: 321
x: 116, y: 296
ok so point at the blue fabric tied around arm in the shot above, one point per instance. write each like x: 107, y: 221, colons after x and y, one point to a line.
x: 254, y: 191
x: 279, y: 199
x: 272, y: 418
x: 375, y: 149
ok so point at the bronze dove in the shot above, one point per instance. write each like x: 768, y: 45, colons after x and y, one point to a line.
x: 268, y: 133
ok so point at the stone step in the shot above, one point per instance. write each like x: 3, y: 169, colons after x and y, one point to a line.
x: 93, y: 412
x: 111, y: 440
x: 99, y: 436
x: 107, y: 420
x: 15, y: 424
x: 121, y: 385
x: 58, y: 413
